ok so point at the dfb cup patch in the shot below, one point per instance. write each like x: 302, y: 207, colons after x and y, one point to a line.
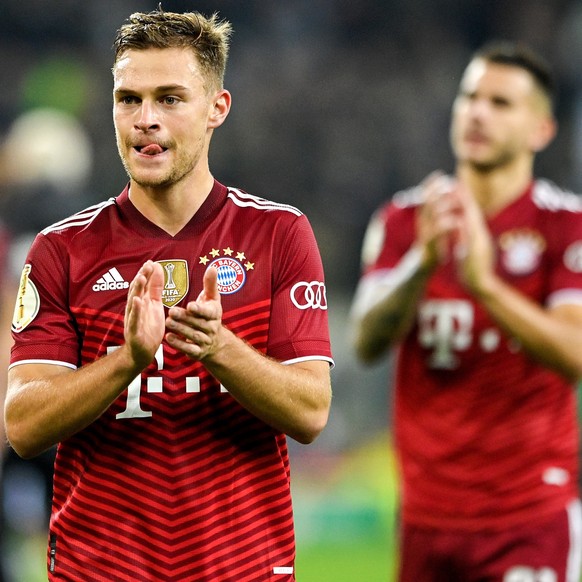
x: 27, y: 302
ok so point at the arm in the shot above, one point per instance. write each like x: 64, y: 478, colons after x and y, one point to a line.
x: 6, y: 309
x: 553, y: 336
x: 47, y: 403
x: 384, y: 308
x: 293, y: 399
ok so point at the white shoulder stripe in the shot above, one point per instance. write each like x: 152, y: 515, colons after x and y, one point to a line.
x: 546, y: 195
x: 243, y: 199
x: 81, y: 218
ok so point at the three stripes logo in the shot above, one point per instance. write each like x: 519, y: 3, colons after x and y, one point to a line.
x: 110, y: 281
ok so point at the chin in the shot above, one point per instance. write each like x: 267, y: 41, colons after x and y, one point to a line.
x: 151, y: 182
x: 149, y: 179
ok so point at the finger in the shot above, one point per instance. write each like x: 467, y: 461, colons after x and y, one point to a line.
x: 155, y: 280
x: 437, y: 184
x: 210, y: 285
x: 190, y: 349
x: 135, y: 290
x: 430, y: 179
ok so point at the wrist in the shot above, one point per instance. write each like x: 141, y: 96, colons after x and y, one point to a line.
x: 128, y: 363
x: 486, y: 286
x: 419, y: 261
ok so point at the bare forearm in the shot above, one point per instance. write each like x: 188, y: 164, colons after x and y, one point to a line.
x: 293, y: 399
x: 552, y: 337
x: 49, y: 403
x: 385, y: 312
x: 385, y: 325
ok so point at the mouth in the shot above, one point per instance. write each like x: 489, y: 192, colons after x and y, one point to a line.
x: 476, y: 137
x: 151, y: 149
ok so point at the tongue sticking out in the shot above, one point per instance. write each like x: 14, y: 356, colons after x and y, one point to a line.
x: 152, y: 149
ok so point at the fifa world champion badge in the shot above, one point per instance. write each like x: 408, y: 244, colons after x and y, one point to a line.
x: 176, y: 281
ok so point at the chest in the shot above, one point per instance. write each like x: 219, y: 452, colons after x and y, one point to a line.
x: 100, y: 274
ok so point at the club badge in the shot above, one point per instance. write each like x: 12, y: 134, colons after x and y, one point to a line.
x: 232, y: 268
x: 521, y: 250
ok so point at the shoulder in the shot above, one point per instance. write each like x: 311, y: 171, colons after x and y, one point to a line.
x: 244, y: 200
x: 401, y: 206
x: 79, y: 220
x: 409, y: 198
x: 549, y: 197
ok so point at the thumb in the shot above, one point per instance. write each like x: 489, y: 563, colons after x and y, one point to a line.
x: 210, y: 285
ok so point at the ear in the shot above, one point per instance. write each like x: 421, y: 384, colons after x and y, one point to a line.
x: 219, y: 108
x: 544, y: 132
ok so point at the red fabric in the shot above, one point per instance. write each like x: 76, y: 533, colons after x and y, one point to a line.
x: 180, y: 482
x: 487, y: 437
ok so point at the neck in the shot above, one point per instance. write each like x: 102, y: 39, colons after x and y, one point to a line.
x: 496, y: 188
x: 171, y: 207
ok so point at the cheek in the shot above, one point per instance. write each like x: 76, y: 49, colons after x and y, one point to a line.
x: 455, y: 132
x: 518, y: 134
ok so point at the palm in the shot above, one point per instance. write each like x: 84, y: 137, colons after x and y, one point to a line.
x: 145, y: 317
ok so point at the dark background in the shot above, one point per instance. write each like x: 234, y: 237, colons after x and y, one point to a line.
x: 337, y: 104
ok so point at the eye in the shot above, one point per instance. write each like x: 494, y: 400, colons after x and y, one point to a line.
x: 170, y: 100
x: 501, y: 102
x: 128, y: 100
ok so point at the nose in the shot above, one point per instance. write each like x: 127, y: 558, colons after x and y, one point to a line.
x: 147, y: 117
x: 479, y: 108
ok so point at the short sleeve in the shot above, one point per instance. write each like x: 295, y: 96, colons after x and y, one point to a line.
x: 43, y: 327
x: 299, y: 316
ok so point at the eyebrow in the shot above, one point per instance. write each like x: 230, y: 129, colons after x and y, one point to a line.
x: 161, y: 89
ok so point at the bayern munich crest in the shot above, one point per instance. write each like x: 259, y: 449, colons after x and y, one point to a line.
x: 522, y: 250
x: 232, y: 268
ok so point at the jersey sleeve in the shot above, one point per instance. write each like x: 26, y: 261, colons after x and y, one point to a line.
x: 565, y: 259
x: 388, y: 237
x: 299, y: 321
x: 43, y: 327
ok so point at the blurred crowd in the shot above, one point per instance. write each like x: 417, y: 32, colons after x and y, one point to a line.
x: 336, y: 105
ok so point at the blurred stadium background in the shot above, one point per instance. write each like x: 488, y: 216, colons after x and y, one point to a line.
x: 336, y: 105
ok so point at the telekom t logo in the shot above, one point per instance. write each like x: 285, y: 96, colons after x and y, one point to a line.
x: 445, y: 326
x: 133, y: 408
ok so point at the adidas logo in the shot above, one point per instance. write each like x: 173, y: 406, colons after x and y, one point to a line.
x: 110, y: 281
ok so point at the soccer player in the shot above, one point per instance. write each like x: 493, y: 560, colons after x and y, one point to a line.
x: 477, y: 279
x: 169, y: 339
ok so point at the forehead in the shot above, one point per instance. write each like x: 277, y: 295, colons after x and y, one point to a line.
x: 497, y: 78
x: 137, y: 69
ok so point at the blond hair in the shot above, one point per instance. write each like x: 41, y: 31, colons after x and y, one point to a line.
x: 208, y: 37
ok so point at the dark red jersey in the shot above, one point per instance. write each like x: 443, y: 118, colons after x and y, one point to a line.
x: 175, y: 481
x: 487, y: 435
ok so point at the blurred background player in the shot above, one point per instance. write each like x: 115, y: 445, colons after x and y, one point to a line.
x: 477, y: 279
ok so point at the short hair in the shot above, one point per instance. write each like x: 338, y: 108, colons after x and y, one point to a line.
x: 517, y: 54
x: 208, y: 37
